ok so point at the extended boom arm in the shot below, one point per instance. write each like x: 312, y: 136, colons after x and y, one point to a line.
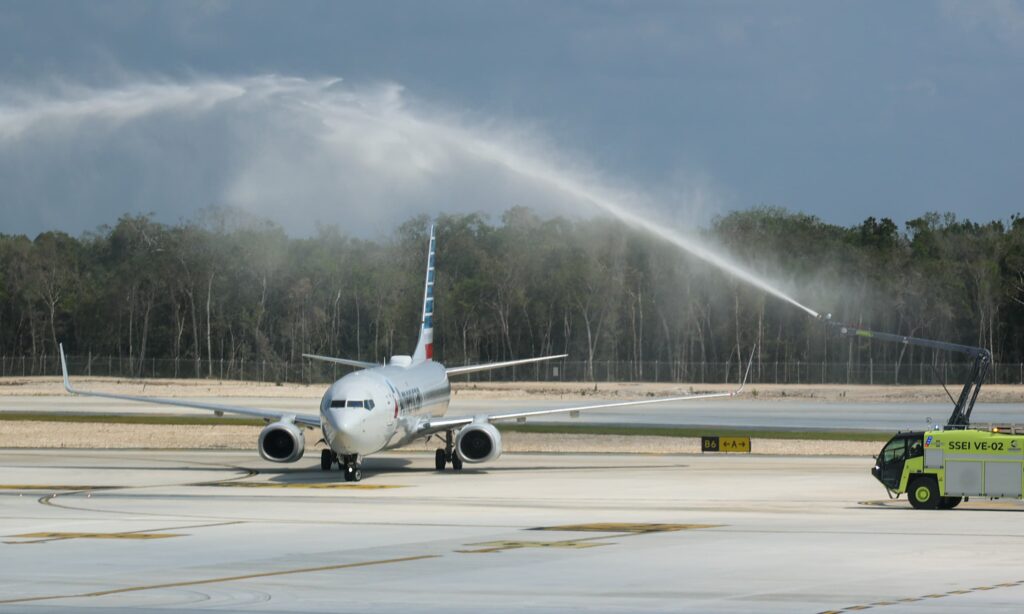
x: 961, y: 416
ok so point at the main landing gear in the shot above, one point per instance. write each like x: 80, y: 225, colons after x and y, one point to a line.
x: 349, y: 463
x: 447, y: 454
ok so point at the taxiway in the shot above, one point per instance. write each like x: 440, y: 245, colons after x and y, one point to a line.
x: 186, y: 531
x: 803, y: 414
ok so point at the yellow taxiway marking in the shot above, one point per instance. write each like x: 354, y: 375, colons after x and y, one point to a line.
x: 499, y: 546
x: 616, y: 529
x: 43, y: 537
x: 64, y: 535
x: 322, y: 485
x: 626, y: 527
x: 950, y: 593
x: 285, y: 572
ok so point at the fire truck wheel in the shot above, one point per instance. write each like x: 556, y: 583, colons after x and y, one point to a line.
x: 924, y: 493
x: 948, y: 503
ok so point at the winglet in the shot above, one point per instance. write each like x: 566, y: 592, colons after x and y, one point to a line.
x: 750, y: 363
x: 64, y: 370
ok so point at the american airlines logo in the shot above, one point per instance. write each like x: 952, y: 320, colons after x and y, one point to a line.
x: 410, y: 399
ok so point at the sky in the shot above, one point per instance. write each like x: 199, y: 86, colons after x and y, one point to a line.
x: 359, y: 115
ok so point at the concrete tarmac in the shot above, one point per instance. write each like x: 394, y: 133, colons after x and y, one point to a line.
x: 195, y: 531
x: 802, y: 414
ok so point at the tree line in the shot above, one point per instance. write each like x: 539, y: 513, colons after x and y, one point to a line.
x: 230, y: 287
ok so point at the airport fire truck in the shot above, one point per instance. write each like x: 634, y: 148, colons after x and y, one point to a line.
x: 941, y: 467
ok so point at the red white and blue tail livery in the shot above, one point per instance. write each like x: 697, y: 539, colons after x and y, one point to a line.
x: 425, y: 345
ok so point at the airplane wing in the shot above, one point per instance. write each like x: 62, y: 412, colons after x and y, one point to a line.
x: 444, y: 424
x: 359, y: 364
x: 498, y: 365
x: 302, y: 419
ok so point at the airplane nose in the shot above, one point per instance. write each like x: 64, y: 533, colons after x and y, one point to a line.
x: 349, y: 428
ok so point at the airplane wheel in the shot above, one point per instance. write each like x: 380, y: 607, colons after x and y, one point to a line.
x: 456, y: 462
x: 351, y: 465
x: 326, y: 458
x: 439, y: 461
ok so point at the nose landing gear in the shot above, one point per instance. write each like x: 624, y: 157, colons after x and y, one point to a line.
x: 447, y: 454
x: 353, y: 472
x: 348, y: 463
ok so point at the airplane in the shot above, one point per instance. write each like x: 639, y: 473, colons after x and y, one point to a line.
x: 381, y: 407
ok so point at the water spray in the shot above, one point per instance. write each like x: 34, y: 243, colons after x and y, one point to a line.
x: 368, y: 136
x: 535, y: 170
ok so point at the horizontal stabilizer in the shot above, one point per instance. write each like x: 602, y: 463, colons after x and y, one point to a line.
x: 499, y: 365
x: 359, y: 364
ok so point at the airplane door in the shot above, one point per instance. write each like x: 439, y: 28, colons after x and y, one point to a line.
x: 392, y: 409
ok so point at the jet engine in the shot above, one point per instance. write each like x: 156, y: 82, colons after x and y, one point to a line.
x: 478, y: 443
x: 282, y: 442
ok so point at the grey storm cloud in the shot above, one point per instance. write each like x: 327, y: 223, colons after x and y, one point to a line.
x: 297, y: 151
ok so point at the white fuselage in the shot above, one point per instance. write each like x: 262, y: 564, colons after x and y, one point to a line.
x: 380, y: 408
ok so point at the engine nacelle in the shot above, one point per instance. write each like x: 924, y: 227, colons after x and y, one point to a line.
x: 478, y: 443
x: 282, y: 442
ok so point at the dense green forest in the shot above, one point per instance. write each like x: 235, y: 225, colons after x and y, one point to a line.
x: 226, y: 288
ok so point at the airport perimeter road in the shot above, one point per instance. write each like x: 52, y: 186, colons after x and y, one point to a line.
x: 185, y: 532
x: 741, y: 412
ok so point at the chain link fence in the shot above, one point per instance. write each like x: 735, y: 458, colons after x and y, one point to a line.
x: 314, y: 372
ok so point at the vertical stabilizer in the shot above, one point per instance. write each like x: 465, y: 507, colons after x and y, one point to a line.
x: 425, y: 345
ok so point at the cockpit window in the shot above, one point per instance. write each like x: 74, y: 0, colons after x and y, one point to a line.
x: 368, y: 404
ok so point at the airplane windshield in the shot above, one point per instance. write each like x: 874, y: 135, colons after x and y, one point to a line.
x: 368, y: 404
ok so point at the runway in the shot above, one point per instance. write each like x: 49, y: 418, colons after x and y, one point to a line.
x: 800, y: 414
x: 197, y: 531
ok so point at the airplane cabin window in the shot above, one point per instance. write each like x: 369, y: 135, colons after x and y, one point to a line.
x: 369, y: 404
x: 355, y: 403
x: 338, y: 403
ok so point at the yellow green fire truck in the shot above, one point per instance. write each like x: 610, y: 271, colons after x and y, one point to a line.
x: 940, y: 468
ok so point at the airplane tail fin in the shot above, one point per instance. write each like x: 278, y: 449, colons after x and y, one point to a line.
x: 425, y: 345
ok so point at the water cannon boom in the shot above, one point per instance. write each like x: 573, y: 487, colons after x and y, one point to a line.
x: 964, y: 405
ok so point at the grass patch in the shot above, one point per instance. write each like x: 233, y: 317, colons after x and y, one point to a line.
x: 128, y: 419
x: 693, y: 431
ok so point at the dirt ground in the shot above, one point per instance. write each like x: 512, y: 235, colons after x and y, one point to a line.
x: 51, y: 386
x: 29, y: 434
